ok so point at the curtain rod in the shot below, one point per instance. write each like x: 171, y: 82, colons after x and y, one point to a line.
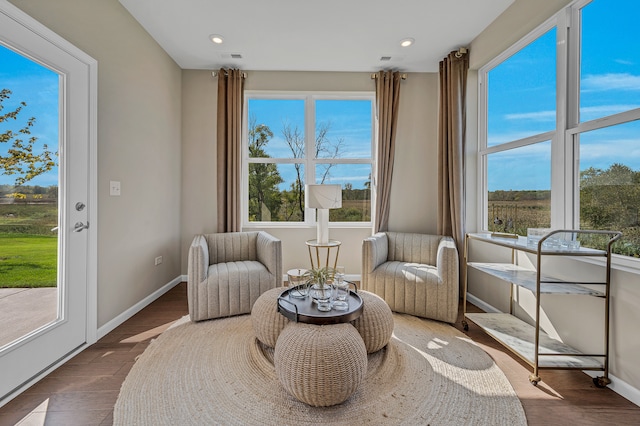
x: 402, y: 76
x: 215, y: 74
x: 461, y: 51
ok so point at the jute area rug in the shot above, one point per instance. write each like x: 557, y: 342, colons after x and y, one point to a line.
x: 217, y: 373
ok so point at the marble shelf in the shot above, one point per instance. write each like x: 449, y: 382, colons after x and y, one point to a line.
x: 519, y: 337
x: 526, y: 278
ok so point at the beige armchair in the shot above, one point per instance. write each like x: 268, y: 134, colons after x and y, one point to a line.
x: 415, y: 274
x: 229, y: 271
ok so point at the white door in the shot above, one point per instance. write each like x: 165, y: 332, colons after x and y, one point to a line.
x: 28, y: 355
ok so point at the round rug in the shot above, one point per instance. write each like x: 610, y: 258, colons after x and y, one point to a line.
x: 217, y: 373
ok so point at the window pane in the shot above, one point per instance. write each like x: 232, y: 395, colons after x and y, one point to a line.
x: 276, y: 192
x: 276, y: 128
x: 343, y: 128
x: 519, y: 185
x: 610, y: 60
x: 610, y: 183
x: 521, y: 93
x: 356, y: 194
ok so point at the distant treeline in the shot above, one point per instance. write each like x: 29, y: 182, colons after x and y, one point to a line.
x: 29, y: 191
x: 526, y: 195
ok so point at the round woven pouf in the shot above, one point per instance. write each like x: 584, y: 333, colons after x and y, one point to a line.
x: 375, y: 325
x: 320, y: 365
x: 267, y: 322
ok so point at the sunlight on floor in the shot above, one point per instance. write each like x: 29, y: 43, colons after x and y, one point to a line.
x: 37, y: 416
x: 146, y: 335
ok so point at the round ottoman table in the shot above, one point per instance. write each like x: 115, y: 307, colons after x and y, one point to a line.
x: 320, y: 365
x: 266, y: 320
x: 375, y: 325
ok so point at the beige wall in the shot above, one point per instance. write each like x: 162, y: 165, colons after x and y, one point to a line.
x: 578, y: 320
x: 414, y: 187
x: 139, y: 121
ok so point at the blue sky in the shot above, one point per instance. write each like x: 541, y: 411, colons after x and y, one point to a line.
x: 522, y: 103
x: 37, y: 86
x: 522, y: 98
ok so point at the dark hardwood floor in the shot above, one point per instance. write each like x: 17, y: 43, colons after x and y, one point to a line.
x: 84, y: 390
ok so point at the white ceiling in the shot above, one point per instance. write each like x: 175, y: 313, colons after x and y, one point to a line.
x: 321, y: 35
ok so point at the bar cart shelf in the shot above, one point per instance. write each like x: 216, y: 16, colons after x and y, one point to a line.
x: 528, y: 341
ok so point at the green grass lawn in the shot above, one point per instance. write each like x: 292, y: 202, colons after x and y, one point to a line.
x: 28, y: 260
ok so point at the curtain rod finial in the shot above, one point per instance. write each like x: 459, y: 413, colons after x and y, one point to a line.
x: 461, y: 51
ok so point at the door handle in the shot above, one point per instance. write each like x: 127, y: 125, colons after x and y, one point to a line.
x: 79, y: 226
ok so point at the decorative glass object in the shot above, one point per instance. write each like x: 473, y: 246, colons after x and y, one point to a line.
x: 535, y: 234
x: 341, y: 290
x: 321, y: 289
x: 298, y: 283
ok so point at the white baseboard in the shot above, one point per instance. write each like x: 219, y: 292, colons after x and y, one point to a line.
x: 481, y: 304
x: 111, y: 325
x: 618, y: 386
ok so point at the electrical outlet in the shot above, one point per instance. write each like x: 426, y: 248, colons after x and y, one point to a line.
x: 158, y: 260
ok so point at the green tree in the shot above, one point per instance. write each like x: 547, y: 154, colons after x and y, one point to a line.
x: 264, y: 178
x: 609, y: 198
x: 20, y: 159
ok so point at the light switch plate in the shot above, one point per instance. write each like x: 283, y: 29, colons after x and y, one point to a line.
x: 114, y: 188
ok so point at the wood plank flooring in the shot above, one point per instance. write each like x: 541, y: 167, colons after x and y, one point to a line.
x: 84, y: 390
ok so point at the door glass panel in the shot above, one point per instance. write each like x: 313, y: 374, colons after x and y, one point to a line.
x: 29, y: 131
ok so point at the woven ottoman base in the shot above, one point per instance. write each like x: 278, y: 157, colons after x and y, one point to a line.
x: 267, y: 322
x: 375, y: 325
x: 320, y: 365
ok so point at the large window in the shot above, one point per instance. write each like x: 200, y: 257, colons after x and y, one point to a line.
x: 293, y: 139
x: 521, y: 117
x: 560, y: 145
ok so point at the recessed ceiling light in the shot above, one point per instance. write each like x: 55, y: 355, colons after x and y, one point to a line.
x: 406, y: 42
x: 216, y: 38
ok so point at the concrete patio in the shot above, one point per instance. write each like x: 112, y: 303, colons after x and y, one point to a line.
x: 23, y: 310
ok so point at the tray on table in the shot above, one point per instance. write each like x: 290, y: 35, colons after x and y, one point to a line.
x: 306, y: 311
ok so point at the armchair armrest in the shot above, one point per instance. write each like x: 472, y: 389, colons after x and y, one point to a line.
x: 447, y: 260
x: 198, y: 260
x: 269, y: 252
x: 375, y: 250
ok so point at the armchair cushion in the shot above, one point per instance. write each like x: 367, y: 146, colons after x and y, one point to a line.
x: 227, y: 272
x: 414, y: 273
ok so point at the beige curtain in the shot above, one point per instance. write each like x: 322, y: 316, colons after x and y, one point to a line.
x: 451, y: 146
x: 387, y: 101
x: 229, y: 140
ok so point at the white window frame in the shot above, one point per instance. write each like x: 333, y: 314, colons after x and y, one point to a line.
x: 565, y: 175
x: 309, y: 98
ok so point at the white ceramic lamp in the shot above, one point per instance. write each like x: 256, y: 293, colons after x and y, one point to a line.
x: 322, y: 198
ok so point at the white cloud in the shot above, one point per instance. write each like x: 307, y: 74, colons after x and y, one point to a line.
x: 533, y: 116
x: 612, y: 150
x: 613, y: 81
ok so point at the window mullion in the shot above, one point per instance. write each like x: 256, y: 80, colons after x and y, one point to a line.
x: 310, y: 168
x: 571, y: 142
x: 561, y: 185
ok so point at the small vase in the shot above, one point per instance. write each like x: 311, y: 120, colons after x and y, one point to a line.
x: 321, y: 294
